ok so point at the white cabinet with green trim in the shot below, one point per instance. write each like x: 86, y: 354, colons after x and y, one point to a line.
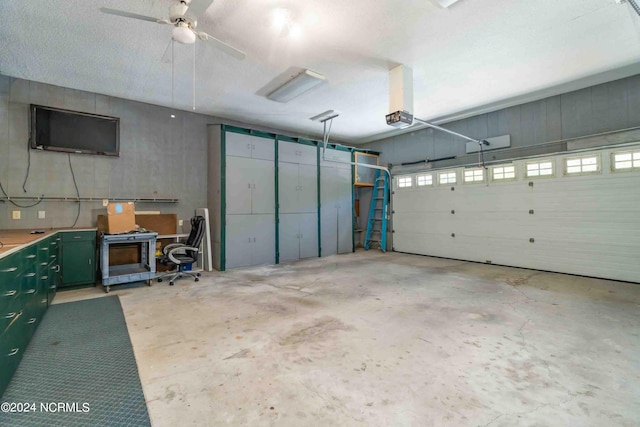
x: 297, y: 201
x: 336, y: 203
x: 264, y: 196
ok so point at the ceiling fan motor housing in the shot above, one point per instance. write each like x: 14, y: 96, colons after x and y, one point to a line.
x: 178, y: 13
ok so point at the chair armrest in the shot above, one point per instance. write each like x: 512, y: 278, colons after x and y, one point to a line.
x: 182, y: 248
x: 170, y: 246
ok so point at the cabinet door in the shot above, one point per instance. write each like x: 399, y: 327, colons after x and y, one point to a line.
x: 238, y: 185
x: 263, y: 192
x: 345, y: 210
x: 288, y: 187
x: 308, y: 155
x: 308, y: 189
x: 308, y: 235
x: 329, y: 210
x: 238, y: 144
x: 288, y: 152
x: 238, y: 241
x: 263, y: 250
x: 289, y: 237
x: 78, y: 263
x: 263, y: 148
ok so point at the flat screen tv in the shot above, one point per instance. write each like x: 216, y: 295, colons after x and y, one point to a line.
x: 74, y: 132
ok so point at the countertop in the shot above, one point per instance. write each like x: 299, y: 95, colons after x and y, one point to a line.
x: 15, y: 240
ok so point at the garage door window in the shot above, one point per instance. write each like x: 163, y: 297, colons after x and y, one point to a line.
x: 539, y: 168
x: 629, y: 160
x: 424, y: 180
x: 582, y: 165
x: 473, y: 175
x: 503, y: 173
x: 405, y: 182
x: 447, y: 177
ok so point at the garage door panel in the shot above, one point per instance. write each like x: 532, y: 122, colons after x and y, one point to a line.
x: 588, y: 225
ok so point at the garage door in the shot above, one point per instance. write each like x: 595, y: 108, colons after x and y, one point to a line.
x: 577, y: 213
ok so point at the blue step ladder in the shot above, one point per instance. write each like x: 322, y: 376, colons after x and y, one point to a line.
x: 377, y: 224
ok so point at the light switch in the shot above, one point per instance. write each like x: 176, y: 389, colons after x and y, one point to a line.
x: 16, y: 215
x: 105, y: 202
x: 180, y: 222
x: 40, y: 214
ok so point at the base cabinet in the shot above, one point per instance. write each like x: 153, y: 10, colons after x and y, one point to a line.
x: 28, y: 282
x: 298, y: 236
x: 78, y: 258
x: 250, y: 240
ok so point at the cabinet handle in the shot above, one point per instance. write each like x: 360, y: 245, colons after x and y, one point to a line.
x: 249, y: 239
x: 57, y: 268
x: 10, y: 315
x: 44, y: 249
x: 30, y: 256
x: 29, y: 274
x: 52, y: 256
x: 249, y: 185
x: 249, y: 146
x: 31, y: 291
x: 254, y: 240
x: 9, y: 293
x: 52, y: 287
x: 9, y: 270
x: 77, y: 237
x: 301, y: 236
x: 44, y: 277
x: 13, y: 352
x: 32, y: 320
x: 44, y: 263
x: 89, y: 261
x: 43, y: 301
x: 253, y: 146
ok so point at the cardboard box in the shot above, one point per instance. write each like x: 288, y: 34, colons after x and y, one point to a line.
x: 121, y: 217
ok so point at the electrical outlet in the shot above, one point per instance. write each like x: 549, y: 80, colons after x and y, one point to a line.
x: 180, y: 222
x: 40, y: 214
x: 16, y: 215
x: 105, y: 202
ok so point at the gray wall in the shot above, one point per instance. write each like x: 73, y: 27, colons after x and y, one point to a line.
x: 160, y: 157
x: 599, y: 115
x: 533, y: 127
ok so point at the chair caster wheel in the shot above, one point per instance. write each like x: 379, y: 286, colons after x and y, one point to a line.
x: 197, y: 274
x: 197, y: 280
x: 159, y: 280
x: 170, y: 283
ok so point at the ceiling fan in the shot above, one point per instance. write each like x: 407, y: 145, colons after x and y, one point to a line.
x: 183, y: 16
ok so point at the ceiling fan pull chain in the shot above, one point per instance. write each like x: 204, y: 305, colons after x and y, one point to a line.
x: 173, y: 66
x: 193, y: 97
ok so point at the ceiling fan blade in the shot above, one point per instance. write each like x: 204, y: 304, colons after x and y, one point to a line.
x: 197, y: 7
x: 133, y: 15
x: 238, y: 54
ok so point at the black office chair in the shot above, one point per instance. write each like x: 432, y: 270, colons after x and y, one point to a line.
x: 180, y: 254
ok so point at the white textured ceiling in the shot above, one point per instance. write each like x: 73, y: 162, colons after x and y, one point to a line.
x: 474, y: 54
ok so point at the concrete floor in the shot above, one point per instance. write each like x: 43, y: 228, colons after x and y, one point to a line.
x: 372, y: 339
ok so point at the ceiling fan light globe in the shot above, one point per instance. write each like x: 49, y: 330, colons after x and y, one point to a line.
x: 183, y: 35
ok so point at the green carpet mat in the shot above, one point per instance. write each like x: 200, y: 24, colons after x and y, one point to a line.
x: 78, y: 370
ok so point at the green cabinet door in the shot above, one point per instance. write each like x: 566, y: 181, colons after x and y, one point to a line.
x: 78, y: 258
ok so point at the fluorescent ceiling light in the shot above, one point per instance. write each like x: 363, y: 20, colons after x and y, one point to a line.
x: 296, y: 86
x: 444, y: 3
